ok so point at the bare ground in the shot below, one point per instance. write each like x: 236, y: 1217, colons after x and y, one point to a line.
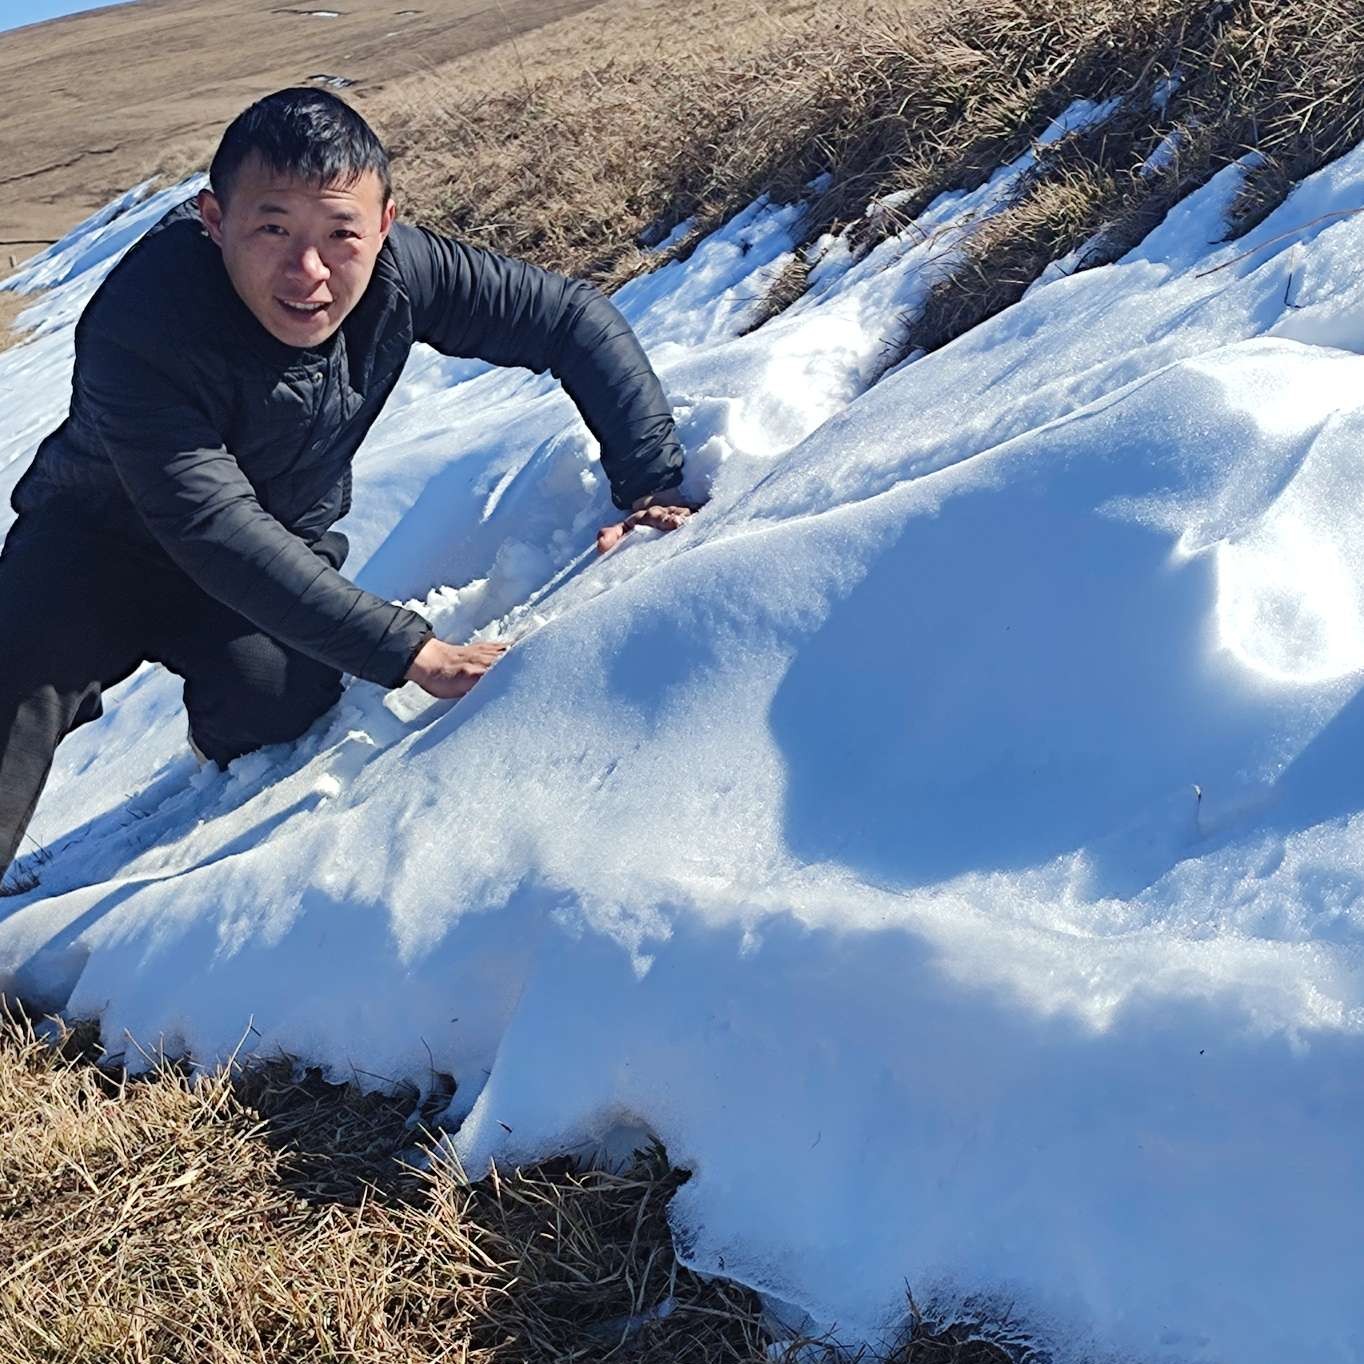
x: 92, y: 100
x: 11, y: 305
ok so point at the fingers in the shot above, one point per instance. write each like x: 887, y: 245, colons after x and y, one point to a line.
x: 456, y: 668
x: 608, y: 537
x: 660, y: 518
x: 475, y: 660
x: 669, y: 498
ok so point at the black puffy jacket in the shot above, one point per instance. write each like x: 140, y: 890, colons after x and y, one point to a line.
x: 192, y: 426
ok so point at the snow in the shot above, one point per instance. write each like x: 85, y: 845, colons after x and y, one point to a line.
x: 672, y: 238
x: 1165, y: 153
x: 949, y: 843
x: 1166, y: 89
x: 91, y: 249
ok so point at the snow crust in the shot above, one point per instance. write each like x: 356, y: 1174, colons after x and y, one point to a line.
x: 949, y: 843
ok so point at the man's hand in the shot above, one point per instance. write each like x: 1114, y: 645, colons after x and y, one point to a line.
x: 450, y: 670
x: 663, y: 511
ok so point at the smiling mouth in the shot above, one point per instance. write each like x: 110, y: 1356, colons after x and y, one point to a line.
x: 301, y: 309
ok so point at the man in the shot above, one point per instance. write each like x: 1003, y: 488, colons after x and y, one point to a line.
x: 226, y: 372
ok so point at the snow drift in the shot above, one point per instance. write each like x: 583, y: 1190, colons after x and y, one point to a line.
x: 949, y: 843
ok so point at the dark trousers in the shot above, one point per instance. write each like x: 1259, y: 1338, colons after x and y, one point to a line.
x: 80, y: 610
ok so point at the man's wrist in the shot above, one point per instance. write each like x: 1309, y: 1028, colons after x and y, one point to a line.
x: 665, y: 497
x: 406, y: 675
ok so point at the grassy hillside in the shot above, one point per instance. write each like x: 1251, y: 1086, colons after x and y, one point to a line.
x: 574, y: 154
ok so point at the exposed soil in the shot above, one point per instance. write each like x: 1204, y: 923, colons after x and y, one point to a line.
x: 11, y: 305
x: 92, y: 100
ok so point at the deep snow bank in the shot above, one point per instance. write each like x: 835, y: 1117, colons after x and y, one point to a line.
x: 949, y: 844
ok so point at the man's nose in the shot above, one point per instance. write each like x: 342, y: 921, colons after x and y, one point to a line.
x: 308, y: 261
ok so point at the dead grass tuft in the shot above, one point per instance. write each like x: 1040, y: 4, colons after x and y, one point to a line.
x: 1006, y: 254
x: 1296, y: 76
x: 11, y: 305
x: 791, y: 281
x: 179, y: 161
x: 962, y: 1343
x: 255, y: 1216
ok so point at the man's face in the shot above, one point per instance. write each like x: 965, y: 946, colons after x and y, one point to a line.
x: 299, y: 256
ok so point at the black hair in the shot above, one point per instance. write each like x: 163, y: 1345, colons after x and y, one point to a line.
x: 304, y: 133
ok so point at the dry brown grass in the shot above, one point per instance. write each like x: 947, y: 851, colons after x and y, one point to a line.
x: 568, y: 145
x: 790, y: 282
x: 254, y: 1216
x: 11, y: 305
x: 579, y: 142
x: 571, y: 157
x: 589, y: 137
x: 1278, y: 78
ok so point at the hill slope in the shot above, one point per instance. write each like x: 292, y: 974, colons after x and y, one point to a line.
x: 948, y: 843
x: 93, y: 99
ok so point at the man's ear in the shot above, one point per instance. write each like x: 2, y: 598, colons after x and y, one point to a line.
x: 390, y: 212
x: 211, y: 211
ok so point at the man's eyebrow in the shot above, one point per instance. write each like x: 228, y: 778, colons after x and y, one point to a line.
x: 342, y: 215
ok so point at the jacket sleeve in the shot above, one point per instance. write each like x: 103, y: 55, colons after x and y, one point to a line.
x: 470, y: 302
x: 203, y: 510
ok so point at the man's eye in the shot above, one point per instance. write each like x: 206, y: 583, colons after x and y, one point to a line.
x: 273, y: 228
x: 345, y: 233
